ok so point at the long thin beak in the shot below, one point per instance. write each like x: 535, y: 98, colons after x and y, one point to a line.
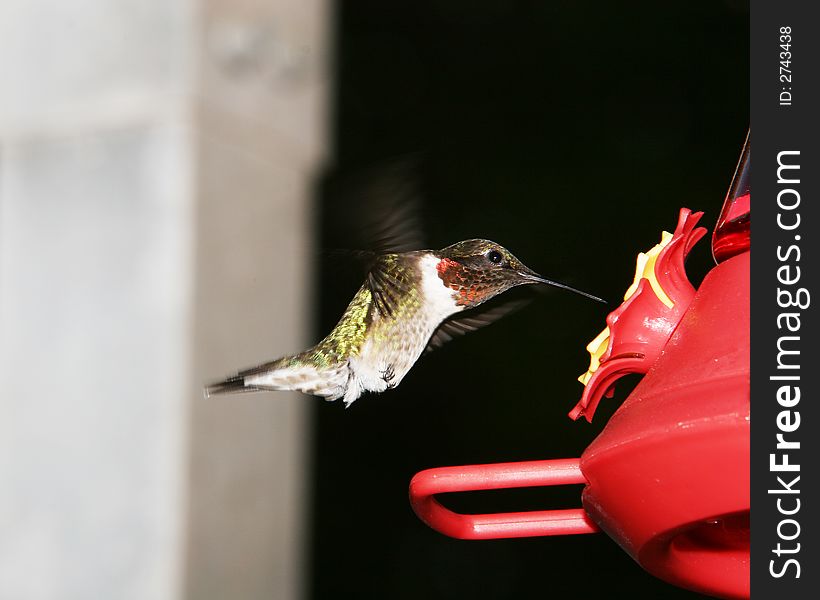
x: 535, y: 278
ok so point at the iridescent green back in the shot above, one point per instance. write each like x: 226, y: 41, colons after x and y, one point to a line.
x: 388, y: 299
x: 347, y: 337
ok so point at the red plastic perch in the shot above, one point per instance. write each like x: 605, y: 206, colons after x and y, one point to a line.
x: 564, y: 471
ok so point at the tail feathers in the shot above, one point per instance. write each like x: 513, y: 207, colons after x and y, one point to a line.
x: 237, y: 384
x: 232, y: 385
x: 284, y: 376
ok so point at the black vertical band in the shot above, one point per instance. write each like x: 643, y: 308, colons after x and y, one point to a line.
x: 785, y: 61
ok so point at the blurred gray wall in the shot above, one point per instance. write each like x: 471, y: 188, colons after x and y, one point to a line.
x: 156, y: 162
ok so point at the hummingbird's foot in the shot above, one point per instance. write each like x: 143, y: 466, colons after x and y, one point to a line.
x: 389, y: 375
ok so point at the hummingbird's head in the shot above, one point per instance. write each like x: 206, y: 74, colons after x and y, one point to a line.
x: 477, y: 270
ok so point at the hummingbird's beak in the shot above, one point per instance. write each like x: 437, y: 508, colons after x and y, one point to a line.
x: 536, y: 278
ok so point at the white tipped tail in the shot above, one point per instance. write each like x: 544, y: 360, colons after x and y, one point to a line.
x: 329, y: 383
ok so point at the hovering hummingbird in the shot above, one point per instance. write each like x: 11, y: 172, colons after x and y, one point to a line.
x: 410, y: 302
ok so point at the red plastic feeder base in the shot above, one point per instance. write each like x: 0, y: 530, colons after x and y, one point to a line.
x: 669, y: 475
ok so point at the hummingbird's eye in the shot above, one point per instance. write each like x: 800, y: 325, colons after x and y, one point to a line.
x: 495, y: 257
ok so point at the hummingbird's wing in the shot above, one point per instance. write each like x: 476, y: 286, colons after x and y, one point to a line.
x: 473, y: 319
x: 390, y: 199
x: 377, y: 210
x: 389, y: 283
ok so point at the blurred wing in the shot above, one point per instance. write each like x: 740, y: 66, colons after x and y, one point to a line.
x: 377, y: 211
x: 471, y: 320
x: 391, y: 201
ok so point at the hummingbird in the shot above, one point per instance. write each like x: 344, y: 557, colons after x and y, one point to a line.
x: 410, y: 302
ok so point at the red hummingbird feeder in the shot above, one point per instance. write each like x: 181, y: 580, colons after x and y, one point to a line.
x: 668, y: 477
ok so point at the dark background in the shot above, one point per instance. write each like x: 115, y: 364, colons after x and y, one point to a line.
x: 572, y: 133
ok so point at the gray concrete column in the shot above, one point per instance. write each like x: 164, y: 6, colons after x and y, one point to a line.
x: 156, y: 161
